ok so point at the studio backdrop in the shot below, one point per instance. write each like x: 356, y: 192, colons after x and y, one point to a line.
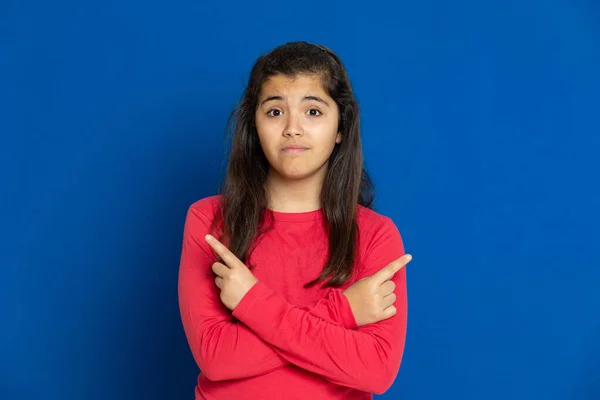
x: 480, y: 129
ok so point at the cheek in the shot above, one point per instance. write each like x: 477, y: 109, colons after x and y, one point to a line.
x: 268, y: 140
x: 326, y: 143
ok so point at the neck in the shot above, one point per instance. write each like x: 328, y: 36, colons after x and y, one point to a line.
x: 294, y: 196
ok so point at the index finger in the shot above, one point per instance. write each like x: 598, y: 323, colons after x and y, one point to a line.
x: 226, y: 255
x: 387, y: 272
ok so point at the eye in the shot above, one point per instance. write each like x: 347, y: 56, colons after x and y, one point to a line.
x: 313, y: 112
x: 274, y: 112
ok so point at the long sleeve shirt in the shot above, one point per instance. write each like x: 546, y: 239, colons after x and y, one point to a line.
x: 284, y: 341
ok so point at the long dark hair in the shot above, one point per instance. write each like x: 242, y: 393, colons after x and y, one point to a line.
x: 346, y: 183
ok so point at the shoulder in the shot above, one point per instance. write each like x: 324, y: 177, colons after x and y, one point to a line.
x: 207, y: 206
x: 201, y: 215
x: 372, y: 223
x: 380, y: 241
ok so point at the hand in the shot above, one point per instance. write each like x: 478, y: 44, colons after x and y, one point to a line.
x: 372, y: 298
x: 233, y: 278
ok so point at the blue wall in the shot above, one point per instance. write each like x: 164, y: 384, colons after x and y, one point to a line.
x: 480, y: 127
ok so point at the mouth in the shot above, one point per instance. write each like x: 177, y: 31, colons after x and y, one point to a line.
x: 294, y: 149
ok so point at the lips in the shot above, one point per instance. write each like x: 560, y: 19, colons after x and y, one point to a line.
x: 294, y: 148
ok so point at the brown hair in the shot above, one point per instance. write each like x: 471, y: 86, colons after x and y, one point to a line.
x: 346, y: 183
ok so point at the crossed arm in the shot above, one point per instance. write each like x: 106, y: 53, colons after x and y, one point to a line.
x: 265, y: 332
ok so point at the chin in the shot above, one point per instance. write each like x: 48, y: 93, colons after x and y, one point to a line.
x: 297, y: 174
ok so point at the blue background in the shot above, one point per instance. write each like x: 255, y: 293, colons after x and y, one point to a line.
x: 480, y: 128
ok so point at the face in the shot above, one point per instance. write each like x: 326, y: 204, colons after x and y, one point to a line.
x: 297, y: 124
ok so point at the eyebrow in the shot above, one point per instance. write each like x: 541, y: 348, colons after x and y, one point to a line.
x: 311, y: 97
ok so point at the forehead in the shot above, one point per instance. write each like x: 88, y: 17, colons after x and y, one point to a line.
x: 293, y: 85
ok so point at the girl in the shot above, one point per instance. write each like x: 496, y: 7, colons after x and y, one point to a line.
x: 290, y: 285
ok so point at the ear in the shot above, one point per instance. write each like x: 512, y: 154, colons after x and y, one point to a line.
x: 338, y: 138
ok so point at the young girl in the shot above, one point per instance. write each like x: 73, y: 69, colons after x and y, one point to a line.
x: 290, y: 285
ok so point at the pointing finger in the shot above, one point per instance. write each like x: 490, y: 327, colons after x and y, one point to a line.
x: 387, y: 272
x: 227, y: 256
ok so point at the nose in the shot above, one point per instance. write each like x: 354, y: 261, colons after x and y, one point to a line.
x: 293, y: 127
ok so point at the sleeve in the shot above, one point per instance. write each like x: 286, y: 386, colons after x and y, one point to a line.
x: 222, y: 347
x: 367, y: 358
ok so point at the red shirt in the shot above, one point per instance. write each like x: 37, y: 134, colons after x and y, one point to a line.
x: 283, y: 341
